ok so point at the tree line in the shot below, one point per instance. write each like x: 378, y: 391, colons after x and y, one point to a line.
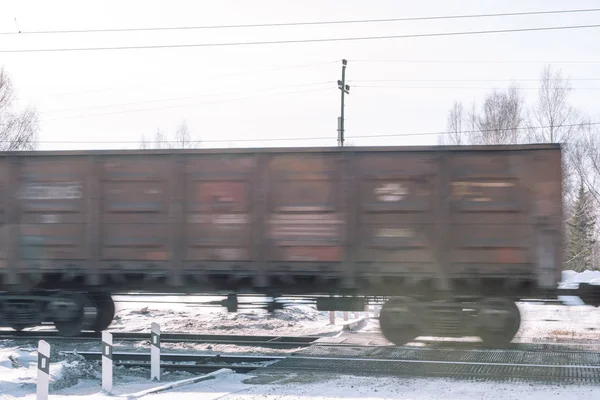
x: 18, y: 128
x: 504, y: 117
x: 182, y: 139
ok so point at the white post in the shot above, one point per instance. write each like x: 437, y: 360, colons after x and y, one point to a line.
x: 155, y: 352
x: 332, y: 317
x: 107, y: 361
x: 345, y: 315
x: 43, y: 372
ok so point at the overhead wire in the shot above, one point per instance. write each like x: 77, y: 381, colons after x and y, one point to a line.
x: 188, y: 105
x: 228, y: 75
x: 300, y: 23
x: 280, y: 139
x: 361, y: 81
x: 298, y: 41
x: 189, y: 97
x: 456, y: 87
x: 381, y: 61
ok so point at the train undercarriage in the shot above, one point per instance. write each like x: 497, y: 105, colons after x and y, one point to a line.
x: 402, y: 319
x: 71, y: 313
x: 495, y: 319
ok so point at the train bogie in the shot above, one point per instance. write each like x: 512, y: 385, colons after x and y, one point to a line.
x: 70, y: 312
x: 494, y: 320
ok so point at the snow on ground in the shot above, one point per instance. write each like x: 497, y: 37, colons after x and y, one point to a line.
x: 325, y: 387
x: 571, y: 277
x: 309, y: 386
x: 73, y: 378
x: 296, y: 321
x: 558, y: 323
x: 18, y: 374
x: 539, y: 322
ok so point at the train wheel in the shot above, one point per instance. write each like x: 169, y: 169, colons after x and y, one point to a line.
x: 498, y: 321
x: 399, y: 320
x: 18, y: 327
x: 106, y: 311
x: 75, y: 315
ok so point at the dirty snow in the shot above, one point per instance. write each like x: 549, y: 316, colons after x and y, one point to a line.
x: 72, y: 378
x: 325, y: 387
x: 321, y: 386
x: 540, y: 323
x: 296, y: 321
x: 18, y: 373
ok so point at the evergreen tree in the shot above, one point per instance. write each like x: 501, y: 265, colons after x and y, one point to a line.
x: 581, y: 228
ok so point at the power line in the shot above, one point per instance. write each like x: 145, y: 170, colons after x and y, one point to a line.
x: 187, y: 97
x: 228, y: 75
x: 189, y: 105
x: 283, y: 139
x: 467, y: 80
x: 477, y: 61
x: 298, y: 41
x: 475, y: 131
x: 458, y: 87
x: 301, y: 23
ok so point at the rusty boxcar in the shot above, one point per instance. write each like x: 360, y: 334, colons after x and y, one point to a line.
x: 423, y: 225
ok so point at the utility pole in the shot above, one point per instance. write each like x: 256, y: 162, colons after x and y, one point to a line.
x: 345, y: 89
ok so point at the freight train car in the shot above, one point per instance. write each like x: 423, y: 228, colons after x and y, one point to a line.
x: 453, y: 236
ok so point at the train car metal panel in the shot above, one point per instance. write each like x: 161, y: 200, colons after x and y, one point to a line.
x: 361, y: 213
x: 305, y: 209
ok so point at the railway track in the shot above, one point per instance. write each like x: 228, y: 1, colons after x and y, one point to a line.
x: 391, y: 361
x: 277, y: 342
x: 521, y: 361
x: 294, y: 342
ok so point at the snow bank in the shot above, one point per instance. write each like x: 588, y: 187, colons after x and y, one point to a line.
x: 572, y: 277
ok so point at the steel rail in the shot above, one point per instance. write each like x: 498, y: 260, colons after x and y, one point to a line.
x: 278, y: 342
x: 292, y: 342
x: 464, y: 364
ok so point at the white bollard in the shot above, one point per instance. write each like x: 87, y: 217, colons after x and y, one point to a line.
x: 345, y: 315
x: 155, y: 352
x: 107, y: 361
x: 43, y: 372
x: 332, y: 317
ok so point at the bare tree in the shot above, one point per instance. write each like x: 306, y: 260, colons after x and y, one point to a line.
x: 160, y: 140
x: 183, y: 137
x: 18, y: 130
x: 183, y: 140
x: 145, y: 143
x: 454, y: 126
x: 499, y: 120
x: 552, y: 119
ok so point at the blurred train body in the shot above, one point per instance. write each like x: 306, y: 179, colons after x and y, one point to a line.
x: 428, y: 227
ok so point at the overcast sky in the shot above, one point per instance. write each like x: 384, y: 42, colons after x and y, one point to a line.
x: 258, y: 95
